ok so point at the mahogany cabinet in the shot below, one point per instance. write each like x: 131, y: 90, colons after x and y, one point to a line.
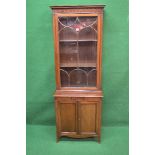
x: 78, y: 60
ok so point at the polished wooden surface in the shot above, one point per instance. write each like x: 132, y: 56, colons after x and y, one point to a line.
x: 77, y: 6
x: 78, y: 117
x: 68, y: 114
x: 78, y: 93
x: 87, y: 118
x: 78, y: 103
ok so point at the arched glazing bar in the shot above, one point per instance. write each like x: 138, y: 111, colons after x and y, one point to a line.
x: 78, y: 76
x: 77, y: 25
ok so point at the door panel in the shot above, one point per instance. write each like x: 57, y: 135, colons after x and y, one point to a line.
x: 68, y: 117
x: 88, y: 116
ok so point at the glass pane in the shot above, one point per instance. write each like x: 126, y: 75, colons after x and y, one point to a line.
x: 78, y: 78
x: 68, y: 53
x: 78, y: 51
x: 87, y: 54
x: 92, y: 77
x: 64, y: 78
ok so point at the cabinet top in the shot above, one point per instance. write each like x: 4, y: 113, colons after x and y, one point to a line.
x: 77, y: 7
x: 78, y: 93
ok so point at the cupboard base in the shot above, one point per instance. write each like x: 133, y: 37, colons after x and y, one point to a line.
x: 78, y: 116
x: 79, y: 137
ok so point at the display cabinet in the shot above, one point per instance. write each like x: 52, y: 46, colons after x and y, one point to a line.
x: 78, y: 60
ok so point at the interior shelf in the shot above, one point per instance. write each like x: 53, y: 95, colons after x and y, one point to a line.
x: 77, y: 40
x: 86, y: 64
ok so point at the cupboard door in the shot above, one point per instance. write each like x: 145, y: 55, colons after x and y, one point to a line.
x: 67, y: 116
x: 88, y: 117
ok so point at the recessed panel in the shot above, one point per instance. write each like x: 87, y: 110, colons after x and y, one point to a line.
x: 88, y: 117
x: 67, y: 116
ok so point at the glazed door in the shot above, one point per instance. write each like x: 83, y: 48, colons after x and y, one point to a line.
x: 88, y: 116
x: 78, y: 42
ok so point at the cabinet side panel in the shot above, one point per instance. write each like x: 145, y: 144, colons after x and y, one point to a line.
x: 88, y: 118
x: 56, y: 50
x: 99, y: 51
x: 68, y: 117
